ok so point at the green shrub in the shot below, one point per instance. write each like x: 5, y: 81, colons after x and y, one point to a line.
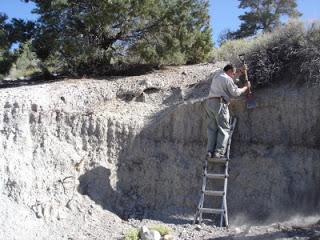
x: 162, y: 229
x: 230, y: 50
x: 132, y: 234
x: 26, y: 63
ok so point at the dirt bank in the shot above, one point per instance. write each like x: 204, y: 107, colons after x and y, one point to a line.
x: 80, y: 157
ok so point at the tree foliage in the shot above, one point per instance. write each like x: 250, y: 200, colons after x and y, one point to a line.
x: 5, y: 61
x: 16, y: 31
x: 263, y: 15
x: 4, y: 42
x: 84, y: 33
x: 26, y: 62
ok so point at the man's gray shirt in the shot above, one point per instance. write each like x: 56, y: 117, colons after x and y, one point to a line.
x: 223, y: 86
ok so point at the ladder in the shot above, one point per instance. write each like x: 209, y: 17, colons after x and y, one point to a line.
x: 223, y: 211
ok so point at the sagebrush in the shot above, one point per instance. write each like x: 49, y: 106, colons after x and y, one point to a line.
x: 290, y: 53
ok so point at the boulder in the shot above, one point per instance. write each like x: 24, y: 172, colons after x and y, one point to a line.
x: 147, y: 234
x: 168, y: 237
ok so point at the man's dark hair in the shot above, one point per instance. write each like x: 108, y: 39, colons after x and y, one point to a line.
x: 228, y: 67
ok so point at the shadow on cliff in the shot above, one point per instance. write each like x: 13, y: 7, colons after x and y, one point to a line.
x: 159, y: 167
x: 96, y: 184
x: 159, y: 170
x: 162, y: 166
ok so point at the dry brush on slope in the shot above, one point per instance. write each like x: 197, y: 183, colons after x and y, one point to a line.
x: 290, y: 53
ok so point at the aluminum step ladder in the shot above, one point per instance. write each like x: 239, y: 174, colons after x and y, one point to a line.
x: 223, y: 211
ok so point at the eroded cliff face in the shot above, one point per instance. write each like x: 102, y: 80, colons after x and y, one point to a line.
x: 77, y: 151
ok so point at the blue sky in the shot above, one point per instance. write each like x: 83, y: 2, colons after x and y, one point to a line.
x: 224, y: 13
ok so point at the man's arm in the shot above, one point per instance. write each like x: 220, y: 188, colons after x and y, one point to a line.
x: 234, y: 90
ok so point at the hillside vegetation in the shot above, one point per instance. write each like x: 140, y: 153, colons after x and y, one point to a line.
x: 291, y: 52
x: 87, y: 37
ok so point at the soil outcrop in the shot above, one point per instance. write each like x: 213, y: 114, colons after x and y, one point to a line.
x: 80, y: 157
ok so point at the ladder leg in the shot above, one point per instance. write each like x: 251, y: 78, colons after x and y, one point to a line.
x: 198, y: 216
x: 224, y: 216
x: 226, y: 220
x: 204, y: 184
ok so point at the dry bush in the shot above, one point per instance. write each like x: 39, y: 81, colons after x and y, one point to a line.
x: 289, y: 53
x: 310, y: 67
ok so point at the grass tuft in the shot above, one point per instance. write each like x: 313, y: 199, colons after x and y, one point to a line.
x: 162, y: 229
x: 132, y: 234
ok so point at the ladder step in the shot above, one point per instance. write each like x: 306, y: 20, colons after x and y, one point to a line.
x: 217, y: 160
x: 216, y: 176
x: 214, y: 193
x: 211, y: 210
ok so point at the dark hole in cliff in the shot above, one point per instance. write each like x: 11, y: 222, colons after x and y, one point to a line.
x: 151, y: 90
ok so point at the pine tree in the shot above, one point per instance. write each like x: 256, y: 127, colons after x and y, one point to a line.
x: 85, y: 33
x: 26, y: 63
x: 15, y: 31
x: 263, y: 15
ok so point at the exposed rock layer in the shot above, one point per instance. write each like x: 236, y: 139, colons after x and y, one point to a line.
x: 135, y: 146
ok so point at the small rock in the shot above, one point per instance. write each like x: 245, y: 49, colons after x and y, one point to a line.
x: 198, y: 227
x: 316, y: 234
x: 150, y: 235
x: 268, y: 230
x: 237, y: 230
x: 90, y: 212
x: 168, y: 237
x: 279, y: 226
x: 144, y: 229
x: 248, y: 230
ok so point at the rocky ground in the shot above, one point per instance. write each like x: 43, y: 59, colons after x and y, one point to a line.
x: 59, y: 140
x: 299, y: 228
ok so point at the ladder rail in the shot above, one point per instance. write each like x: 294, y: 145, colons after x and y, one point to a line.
x: 204, y: 184
x: 233, y: 125
x: 224, y: 201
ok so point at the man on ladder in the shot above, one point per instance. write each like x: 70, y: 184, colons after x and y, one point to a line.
x: 220, y: 131
x: 222, y: 90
